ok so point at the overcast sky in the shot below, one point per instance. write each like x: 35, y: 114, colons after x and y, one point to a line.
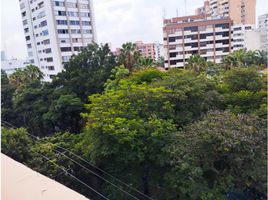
x: 117, y: 21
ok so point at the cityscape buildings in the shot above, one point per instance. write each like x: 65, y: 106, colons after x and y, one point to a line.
x: 150, y: 50
x: 55, y: 30
x: 153, y: 50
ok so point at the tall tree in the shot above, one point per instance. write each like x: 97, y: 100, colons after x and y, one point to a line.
x: 221, y: 154
x: 196, y: 63
x: 87, y: 72
x: 129, y: 56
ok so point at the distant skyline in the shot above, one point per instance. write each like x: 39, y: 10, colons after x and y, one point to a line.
x: 117, y: 21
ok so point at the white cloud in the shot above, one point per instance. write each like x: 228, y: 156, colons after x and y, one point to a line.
x: 117, y: 21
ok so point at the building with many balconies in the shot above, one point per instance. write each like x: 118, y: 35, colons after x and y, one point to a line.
x: 55, y: 30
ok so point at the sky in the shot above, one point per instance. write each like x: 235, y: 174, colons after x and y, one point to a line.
x: 117, y: 21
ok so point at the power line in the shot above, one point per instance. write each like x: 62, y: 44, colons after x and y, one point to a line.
x: 118, y: 180
x: 74, y: 177
x: 96, y: 174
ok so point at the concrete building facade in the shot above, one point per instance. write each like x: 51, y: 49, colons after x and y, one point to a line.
x: 263, y: 26
x: 190, y: 35
x: 10, y: 66
x: 240, y: 11
x: 55, y: 30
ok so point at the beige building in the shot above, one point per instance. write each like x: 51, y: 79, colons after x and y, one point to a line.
x: 190, y: 35
x: 240, y: 11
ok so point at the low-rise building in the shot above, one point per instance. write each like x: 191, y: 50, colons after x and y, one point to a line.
x: 10, y: 66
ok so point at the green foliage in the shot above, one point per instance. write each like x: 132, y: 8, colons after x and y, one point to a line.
x: 129, y: 126
x: 7, y: 92
x: 129, y: 56
x: 63, y: 112
x: 245, y: 91
x: 16, y: 144
x: 118, y: 74
x: 87, y: 72
x: 191, y: 95
x: 244, y: 58
x: 197, y: 64
x: 221, y: 153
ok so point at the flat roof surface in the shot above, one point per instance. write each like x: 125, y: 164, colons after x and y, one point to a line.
x: 22, y: 183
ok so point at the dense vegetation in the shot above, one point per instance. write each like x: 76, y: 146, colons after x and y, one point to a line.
x: 198, y: 133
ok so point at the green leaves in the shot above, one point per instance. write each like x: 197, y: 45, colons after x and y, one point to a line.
x: 229, y: 149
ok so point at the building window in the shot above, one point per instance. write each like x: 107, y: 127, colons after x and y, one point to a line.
x: 48, y: 50
x: 63, y: 31
x: 66, y: 58
x: 237, y: 29
x: 65, y: 49
x: 78, y: 48
x: 23, y: 14
x: 41, y: 14
x: 72, y: 22
x: 51, y: 68
x: 84, y: 14
x: 29, y: 46
x: 50, y: 59
x: 45, y: 32
x: 75, y: 31
x: 64, y: 40
x: 46, y: 42
x: 191, y: 28
x: 87, y: 31
x: 62, y: 22
x: 222, y: 26
x: 72, y: 14
x: 24, y: 22
x: 86, y: 23
x: 57, y: 3
x: 43, y: 23
x: 27, y: 38
x: 60, y: 13
x: 26, y: 30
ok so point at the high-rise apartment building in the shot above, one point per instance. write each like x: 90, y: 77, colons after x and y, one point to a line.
x: 55, y: 30
x: 190, y: 35
x: 240, y: 11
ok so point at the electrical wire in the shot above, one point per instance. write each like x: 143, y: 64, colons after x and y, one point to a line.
x: 118, y: 180
x: 71, y: 175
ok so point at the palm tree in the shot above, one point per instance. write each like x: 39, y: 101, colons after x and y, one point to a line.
x: 144, y: 62
x: 196, y: 63
x: 129, y: 55
x: 23, y: 76
x: 33, y: 73
x: 261, y: 58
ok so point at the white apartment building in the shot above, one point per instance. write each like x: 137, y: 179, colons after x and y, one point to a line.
x: 239, y: 35
x: 190, y: 35
x: 55, y: 30
x: 158, y: 50
x: 263, y: 25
